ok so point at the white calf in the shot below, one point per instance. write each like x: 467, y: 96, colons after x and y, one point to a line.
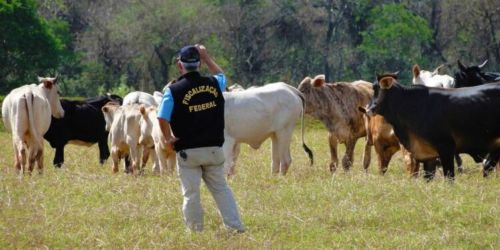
x: 253, y: 115
x: 124, y: 134
x: 152, y: 135
x: 26, y: 113
x: 432, y: 79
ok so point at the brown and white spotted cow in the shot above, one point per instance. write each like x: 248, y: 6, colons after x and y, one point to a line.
x: 336, y: 105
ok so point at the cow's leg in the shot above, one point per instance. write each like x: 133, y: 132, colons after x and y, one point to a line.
x: 59, y: 157
x: 103, y: 150
x: 39, y: 159
x: 135, y: 157
x: 236, y: 154
x: 228, y: 149
x: 334, y: 162
x: 145, y: 157
x: 115, y: 156
x: 490, y: 163
x: 160, y: 160
x: 19, y: 156
x: 429, y: 169
x: 448, y: 167
x: 284, y: 138
x: 127, y: 163
x: 171, y: 158
x: 275, y: 153
x: 32, y: 154
x: 412, y: 166
x: 367, y: 157
x: 349, y: 152
x: 156, y: 162
x: 459, y: 161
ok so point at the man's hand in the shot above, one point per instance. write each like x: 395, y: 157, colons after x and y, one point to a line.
x: 170, y: 139
x: 213, y: 68
x: 203, y: 52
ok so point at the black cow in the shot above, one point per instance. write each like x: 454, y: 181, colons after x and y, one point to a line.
x: 473, y: 75
x: 83, y: 124
x: 430, y: 122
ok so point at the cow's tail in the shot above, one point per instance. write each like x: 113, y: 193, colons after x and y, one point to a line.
x: 306, y: 148
x: 31, y: 118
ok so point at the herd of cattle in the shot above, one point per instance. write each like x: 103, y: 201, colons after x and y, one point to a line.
x: 432, y: 122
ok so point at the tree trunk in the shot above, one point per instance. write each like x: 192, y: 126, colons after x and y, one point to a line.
x: 435, y: 24
x: 328, y: 40
x: 495, y: 44
x: 164, y: 68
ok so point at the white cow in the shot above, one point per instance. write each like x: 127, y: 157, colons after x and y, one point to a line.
x: 139, y: 97
x: 432, y: 79
x: 151, y: 132
x: 253, y: 115
x: 26, y: 113
x: 124, y: 134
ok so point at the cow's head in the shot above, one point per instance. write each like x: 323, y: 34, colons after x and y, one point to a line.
x: 50, y: 90
x: 108, y: 111
x: 469, y: 76
x: 310, y: 88
x: 421, y: 77
x: 148, y: 117
x: 381, y: 85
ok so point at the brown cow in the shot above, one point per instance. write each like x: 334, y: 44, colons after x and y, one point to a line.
x: 336, y: 105
x: 381, y: 136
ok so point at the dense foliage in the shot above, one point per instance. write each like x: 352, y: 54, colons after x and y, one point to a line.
x: 119, y: 45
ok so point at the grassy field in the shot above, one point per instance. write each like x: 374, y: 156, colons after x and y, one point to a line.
x: 83, y: 205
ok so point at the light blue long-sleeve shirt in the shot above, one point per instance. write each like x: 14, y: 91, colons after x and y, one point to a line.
x: 167, y: 103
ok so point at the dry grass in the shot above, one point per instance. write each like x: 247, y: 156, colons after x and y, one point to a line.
x: 85, y: 206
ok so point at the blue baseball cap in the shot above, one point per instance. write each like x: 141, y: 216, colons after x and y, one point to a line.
x: 189, y: 54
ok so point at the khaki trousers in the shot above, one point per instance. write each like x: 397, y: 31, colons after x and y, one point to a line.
x: 205, y: 163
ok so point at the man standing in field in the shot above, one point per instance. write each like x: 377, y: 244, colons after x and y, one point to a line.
x: 192, y: 110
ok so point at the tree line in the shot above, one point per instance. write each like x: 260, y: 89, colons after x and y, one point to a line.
x: 99, y: 46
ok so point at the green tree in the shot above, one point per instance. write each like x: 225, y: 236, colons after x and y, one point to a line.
x: 27, y: 44
x: 394, y: 41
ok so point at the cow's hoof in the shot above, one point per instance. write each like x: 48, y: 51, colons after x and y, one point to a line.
x: 58, y: 165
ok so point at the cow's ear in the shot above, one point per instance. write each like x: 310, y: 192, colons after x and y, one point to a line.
x: 318, y: 81
x: 306, y: 82
x: 416, y: 70
x: 48, y: 84
x: 387, y: 82
x: 461, y: 66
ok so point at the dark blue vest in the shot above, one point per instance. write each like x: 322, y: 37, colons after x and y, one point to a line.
x: 198, y: 114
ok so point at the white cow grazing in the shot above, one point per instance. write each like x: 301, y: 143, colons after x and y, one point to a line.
x: 125, y: 134
x: 139, y: 97
x: 151, y: 132
x: 432, y: 79
x: 253, y: 115
x: 26, y: 113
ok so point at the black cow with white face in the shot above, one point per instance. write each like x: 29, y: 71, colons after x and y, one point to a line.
x: 430, y: 122
x: 83, y: 124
